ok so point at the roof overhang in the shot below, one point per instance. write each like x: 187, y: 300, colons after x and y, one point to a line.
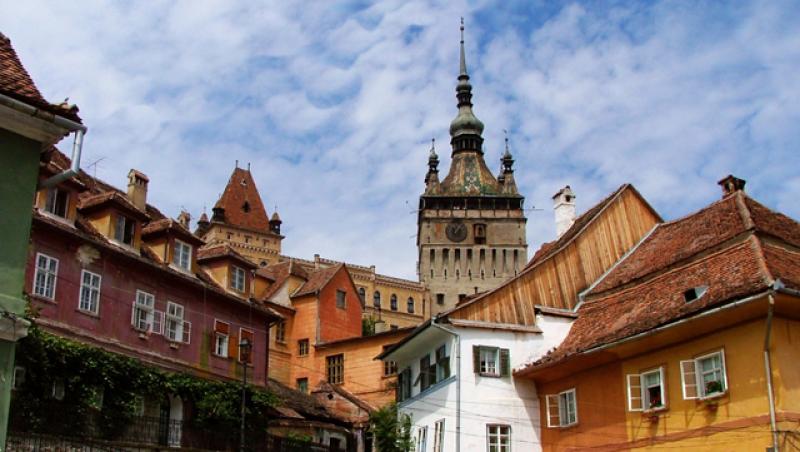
x: 680, y: 330
x: 38, y: 127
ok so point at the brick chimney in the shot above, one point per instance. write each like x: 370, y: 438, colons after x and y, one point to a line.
x: 564, y: 208
x: 316, y: 261
x: 731, y: 184
x: 137, y: 189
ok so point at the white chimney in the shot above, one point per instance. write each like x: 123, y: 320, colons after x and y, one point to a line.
x: 564, y: 207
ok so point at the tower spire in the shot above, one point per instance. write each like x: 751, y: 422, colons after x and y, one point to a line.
x: 465, y: 129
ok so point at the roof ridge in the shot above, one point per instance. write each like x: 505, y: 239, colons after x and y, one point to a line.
x: 737, y: 242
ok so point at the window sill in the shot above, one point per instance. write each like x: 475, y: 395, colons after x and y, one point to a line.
x: 174, y: 345
x: 484, y: 374
x: 143, y: 335
x: 654, y: 411
x: 220, y: 356
x: 713, y: 397
x: 67, y: 221
x: 565, y: 427
x: 124, y: 246
x: 43, y: 299
x: 94, y: 315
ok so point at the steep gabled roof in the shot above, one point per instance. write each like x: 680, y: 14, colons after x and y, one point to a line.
x: 727, y: 250
x: 278, y: 274
x: 15, y: 82
x: 242, y: 203
x: 706, y: 229
x: 550, y: 252
x: 222, y: 250
x: 317, y: 280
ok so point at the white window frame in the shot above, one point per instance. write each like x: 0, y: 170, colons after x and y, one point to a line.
x: 692, y: 377
x: 173, y: 322
x: 422, y: 438
x: 49, y: 275
x: 220, y: 338
x: 50, y: 207
x: 182, y: 255
x: 495, y: 355
x: 638, y: 394
x: 125, y: 221
x: 497, y: 436
x: 143, y: 312
x: 236, y: 273
x: 438, y: 435
x: 558, y: 404
x: 90, y: 291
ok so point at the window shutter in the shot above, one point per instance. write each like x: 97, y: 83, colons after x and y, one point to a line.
x: 187, y: 332
x: 133, y: 314
x: 476, y: 358
x: 635, y: 392
x: 553, y: 413
x: 157, y: 324
x: 689, y: 379
x: 505, y: 363
x: 221, y: 327
x: 233, y: 346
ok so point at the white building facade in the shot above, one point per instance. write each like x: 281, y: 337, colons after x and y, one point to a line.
x: 456, y: 382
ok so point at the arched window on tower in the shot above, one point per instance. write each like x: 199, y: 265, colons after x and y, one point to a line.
x: 410, y: 305
x: 393, y: 302
x: 376, y: 299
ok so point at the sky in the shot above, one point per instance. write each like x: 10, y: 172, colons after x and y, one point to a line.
x: 334, y: 104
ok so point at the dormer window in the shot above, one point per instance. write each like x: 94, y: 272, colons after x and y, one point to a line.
x: 237, y: 279
x: 182, y: 255
x: 57, y: 202
x: 124, y: 229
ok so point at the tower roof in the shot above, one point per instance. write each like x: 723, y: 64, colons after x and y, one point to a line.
x: 468, y: 174
x: 242, y: 204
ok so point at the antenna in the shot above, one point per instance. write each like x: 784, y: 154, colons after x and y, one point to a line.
x: 95, y: 164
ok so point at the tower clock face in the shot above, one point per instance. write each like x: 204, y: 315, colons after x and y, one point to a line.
x: 456, y: 231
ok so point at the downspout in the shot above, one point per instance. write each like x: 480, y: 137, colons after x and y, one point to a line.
x: 777, y: 285
x: 72, y: 126
x: 458, y: 381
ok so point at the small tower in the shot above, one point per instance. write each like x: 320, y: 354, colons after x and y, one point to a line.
x: 432, y: 177
x: 240, y: 220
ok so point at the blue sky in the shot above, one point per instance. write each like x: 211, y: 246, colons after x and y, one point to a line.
x: 334, y: 104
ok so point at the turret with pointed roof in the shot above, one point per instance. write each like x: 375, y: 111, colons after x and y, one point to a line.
x: 240, y: 220
x: 471, y: 225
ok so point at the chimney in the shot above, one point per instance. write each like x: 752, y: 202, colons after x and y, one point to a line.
x: 564, y: 207
x: 731, y: 184
x: 316, y: 261
x: 184, y: 219
x: 137, y: 189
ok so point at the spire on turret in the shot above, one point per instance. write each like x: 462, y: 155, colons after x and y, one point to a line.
x: 432, y: 178
x: 506, y: 177
x: 507, y: 160
x: 465, y: 124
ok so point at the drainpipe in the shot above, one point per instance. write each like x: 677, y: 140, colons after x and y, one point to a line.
x: 777, y: 285
x: 458, y: 381
x: 72, y: 126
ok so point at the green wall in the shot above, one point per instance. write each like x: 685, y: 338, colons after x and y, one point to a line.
x: 19, y: 167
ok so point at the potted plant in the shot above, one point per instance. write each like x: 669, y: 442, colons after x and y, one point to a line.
x: 713, y: 387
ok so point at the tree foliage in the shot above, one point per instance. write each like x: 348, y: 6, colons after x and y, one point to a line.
x: 391, y: 429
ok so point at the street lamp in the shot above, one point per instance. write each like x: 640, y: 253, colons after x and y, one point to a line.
x: 244, y: 357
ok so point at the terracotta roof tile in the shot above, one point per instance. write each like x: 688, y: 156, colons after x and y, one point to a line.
x: 168, y: 224
x: 221, y: 250
x: 784, y: 264
x: 242, y: 203
x: 708, y: 228
x: 730, y: 274
x: 317, y: 280
x: 92, y: 201
x: 15, y: 82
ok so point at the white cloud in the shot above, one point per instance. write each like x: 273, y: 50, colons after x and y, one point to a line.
x: 334, y: 104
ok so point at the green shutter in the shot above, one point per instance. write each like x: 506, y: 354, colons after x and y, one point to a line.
x: 505, y: 363
x: 476, y: 358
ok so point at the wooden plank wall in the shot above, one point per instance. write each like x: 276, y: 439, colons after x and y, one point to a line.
x: 557, y: 281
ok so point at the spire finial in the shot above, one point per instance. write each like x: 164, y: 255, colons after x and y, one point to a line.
x: 433, y: 146
x: 505, y: 132
x: 463, y: 66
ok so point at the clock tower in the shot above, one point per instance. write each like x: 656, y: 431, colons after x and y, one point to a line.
x: 471, y: 225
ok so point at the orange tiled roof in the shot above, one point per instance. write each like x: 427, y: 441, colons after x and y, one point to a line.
x: 721, y: 246
x: 15, y: 82
x: 317, y: 280
x: 96, y: 200
x: 220, y: 250
x: 242, y: 203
